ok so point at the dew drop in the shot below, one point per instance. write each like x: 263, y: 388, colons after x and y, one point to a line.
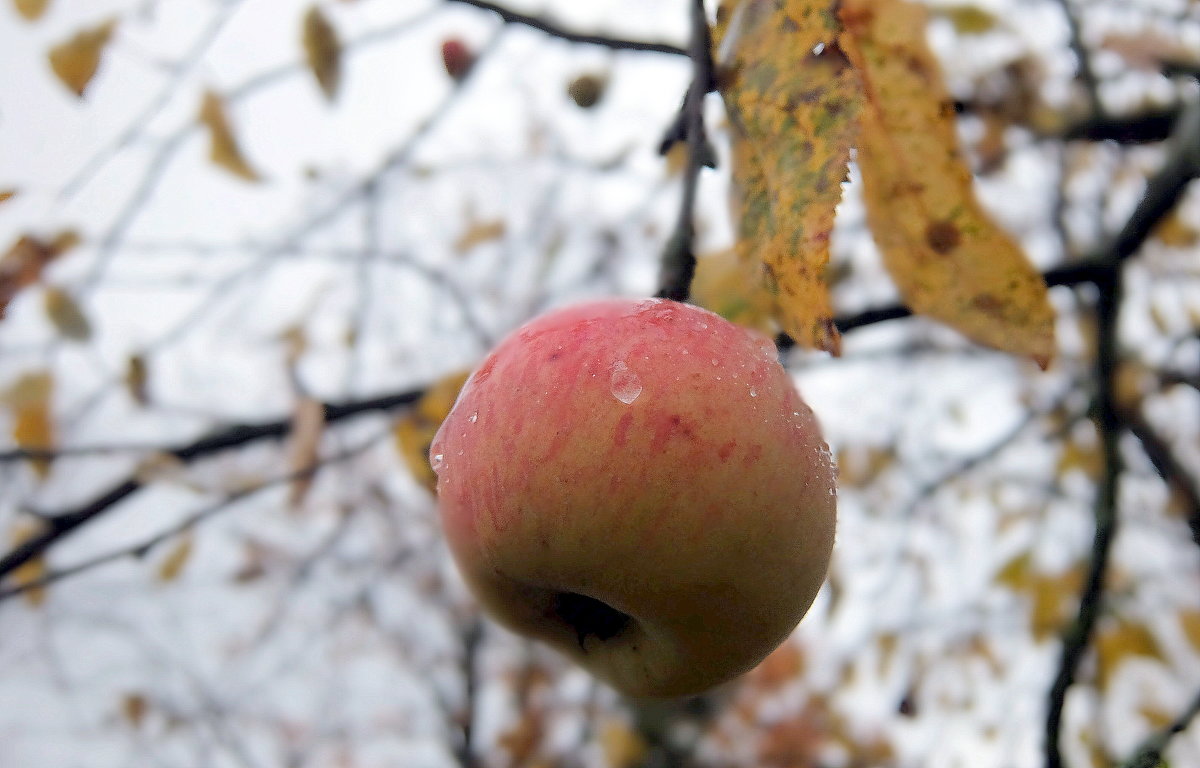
x: 753, y: 392
x: 625, y: 384
x: 438, y: 461
x: 474, y: 417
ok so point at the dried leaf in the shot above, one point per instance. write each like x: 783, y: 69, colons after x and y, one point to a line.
x: 414, y: 431
x: 137, y: 379
x: 950, y: 261
x: 623, y: 747
x: 304, y: 443
x: 29, y: 399
x: 161, y: 467
x: 323, y: 51
x: 173, y: 564
x: 478, y: 233
x: 793, y: 101
x: 134, y: 707
x: 31, y: 10
x: 1189, y: 621
x: 7, y: 194
x: 1118, y: 642
x: 66, y: 315
x: 76, y: 61
x: 32, y: 570
x: 224, y: 150
x: 731, y: 287
x: 24, y: 262
x: 1175, y: 231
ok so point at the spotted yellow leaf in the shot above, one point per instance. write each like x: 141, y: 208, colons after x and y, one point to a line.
x: 31, y: 10
x: 949, y: 259
x: 793, y: 101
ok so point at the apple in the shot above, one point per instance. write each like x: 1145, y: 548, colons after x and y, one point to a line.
x: 586, y: 90
x: 640, y: 485
x: 457, y: 58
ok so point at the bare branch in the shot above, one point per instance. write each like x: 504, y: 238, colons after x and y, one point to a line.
x: 1149, y: 754
x: 554, y: 30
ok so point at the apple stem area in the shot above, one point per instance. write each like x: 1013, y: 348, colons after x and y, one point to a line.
x: 588, y: 616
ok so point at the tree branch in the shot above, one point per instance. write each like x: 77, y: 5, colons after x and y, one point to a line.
x: 679, y: 259
x: 1149, y: 755
x: 554, y: 30
x: 61, y: 524
x: 1169, y: 468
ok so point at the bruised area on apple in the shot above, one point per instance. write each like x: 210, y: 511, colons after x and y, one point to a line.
x: 640, y: 485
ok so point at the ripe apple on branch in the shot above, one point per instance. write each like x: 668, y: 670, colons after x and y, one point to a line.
x: 640, y: 485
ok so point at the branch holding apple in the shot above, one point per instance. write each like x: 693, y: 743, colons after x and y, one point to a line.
x: 640, y: 485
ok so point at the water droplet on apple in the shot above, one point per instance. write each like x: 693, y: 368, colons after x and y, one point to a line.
x: 438, y: 461
x: 474, y: 417
x: 753, y: 392
x: 625, y: 384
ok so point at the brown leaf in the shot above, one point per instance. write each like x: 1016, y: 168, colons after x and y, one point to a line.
x: 323, y: 51
x: 24, y: 262
x: 793, y: 101
x: 7, y: 194
x: 304, y: 443
x: 75, y: 61
x: 224, y: 150
x: 134, y: 707
x: 173, y: 564
x: 136, y: 379
x: 33, y: 569
x: 29, y: 398
x: 66, y: 315
x: 414, y: 431
x: 949, y: 260
x: 478, y: 233
x: 31, y: 10
x: 1190, y: 623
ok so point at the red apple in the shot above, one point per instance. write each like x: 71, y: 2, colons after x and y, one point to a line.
x: 457, y: 58
x: 640, y: 485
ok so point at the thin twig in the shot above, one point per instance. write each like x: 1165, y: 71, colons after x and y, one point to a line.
x: 679, y: 260
x: 1149, y: 754
x: 554, y: 30
x: 1169, y: 468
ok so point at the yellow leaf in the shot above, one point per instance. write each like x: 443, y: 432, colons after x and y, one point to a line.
x: 31, y: 10
x: 949, y: 260
x: 623, y: 747
x: 223, y: 146
x: 1054, y: 597
x: 1176, y: 232
x: 7, y: 194
x: 34, y: 569
x: 33, y: 428
x: 478, y: 233
x: 793, y: 101
x: 308, y: 423
x: 1156, y: 717
x: 136, y: 379
x: 323, y: 51
x: 66, y: 315
x: 23, y: 263
x: 1081, y: 455
x: 731, y: 287
x: 1119, y: 641
x: 414, y: 431
x: 1017, y: 574
x: 1190, y: 622
x: 76, y: 61
x: 173, y: 564
x: 968, y: 19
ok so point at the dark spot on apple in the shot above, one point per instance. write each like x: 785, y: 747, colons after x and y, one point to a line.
x: 588, y: 617
x: 553, y: 356
x: 726, y: 450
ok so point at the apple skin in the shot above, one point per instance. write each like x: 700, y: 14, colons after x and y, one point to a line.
x: 457, y: 58
x: 639, y: 485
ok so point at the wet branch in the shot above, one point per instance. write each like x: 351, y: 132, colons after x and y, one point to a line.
x: 554, y: 30
x: 679, y: 258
